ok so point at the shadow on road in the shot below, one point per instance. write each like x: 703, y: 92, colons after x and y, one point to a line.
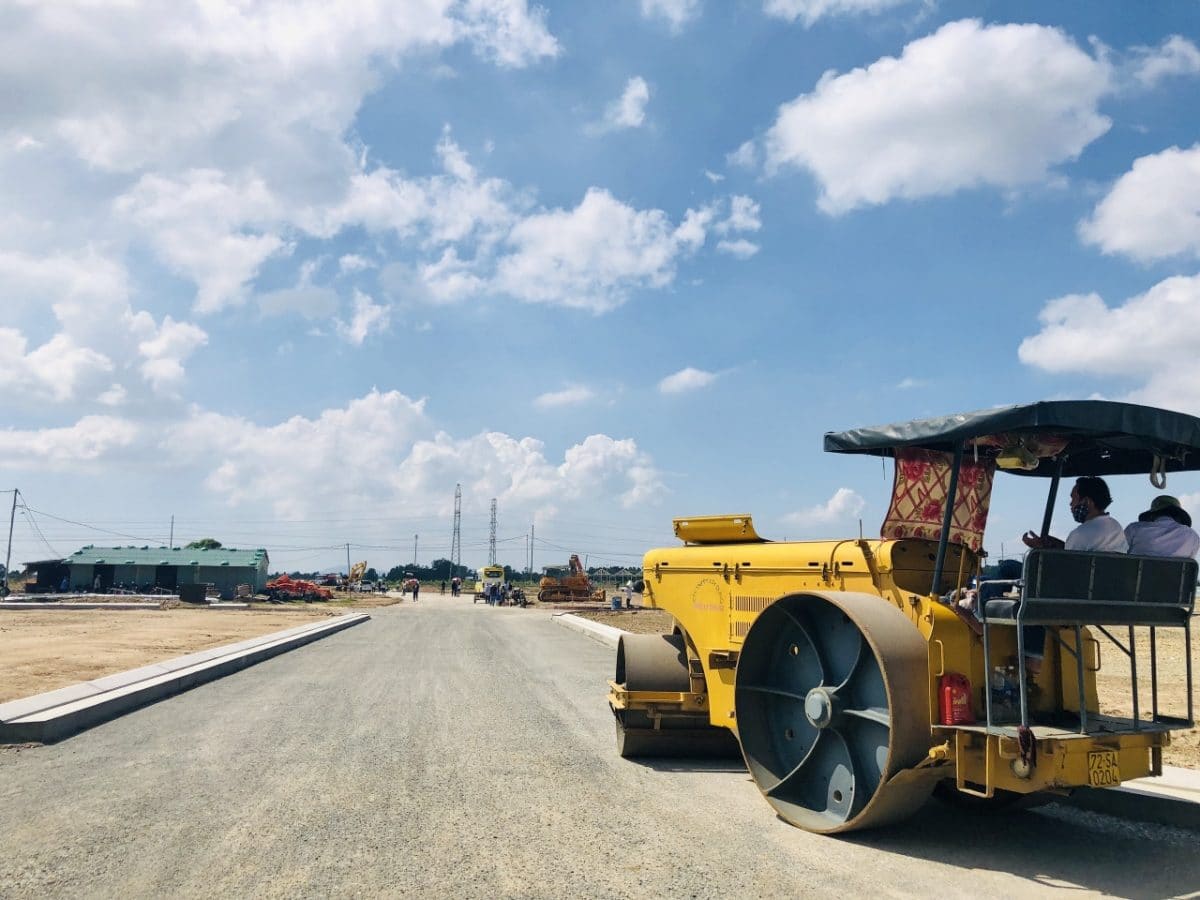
x: 1052, y: 847
x: 691, y: 765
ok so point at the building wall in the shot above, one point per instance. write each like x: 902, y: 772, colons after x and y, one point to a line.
x: 225, y: 578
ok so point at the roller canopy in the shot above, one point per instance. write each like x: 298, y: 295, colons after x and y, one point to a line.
x: 1096, y: 437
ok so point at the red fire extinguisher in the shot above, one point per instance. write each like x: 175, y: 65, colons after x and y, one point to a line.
x: 954, y: 699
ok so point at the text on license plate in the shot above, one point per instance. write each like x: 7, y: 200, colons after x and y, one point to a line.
x: 1103, y: 768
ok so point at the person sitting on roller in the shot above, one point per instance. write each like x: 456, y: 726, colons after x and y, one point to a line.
x: 1097, y: 530
x: 1165, y: 529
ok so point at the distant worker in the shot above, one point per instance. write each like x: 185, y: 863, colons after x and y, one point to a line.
x: 1165, y: 529
x: 627, y: 591
x: 1097, y: 530
x: 65, y: 585
x: 96, y: 584
x: 442, y: 589
x: 416, y: 589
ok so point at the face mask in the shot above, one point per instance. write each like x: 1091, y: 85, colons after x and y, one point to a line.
x: 1080, y: 513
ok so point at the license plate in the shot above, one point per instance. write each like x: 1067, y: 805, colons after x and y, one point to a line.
x: 1103, y: 768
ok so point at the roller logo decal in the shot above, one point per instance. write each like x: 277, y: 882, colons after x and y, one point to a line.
x: 706, y: 597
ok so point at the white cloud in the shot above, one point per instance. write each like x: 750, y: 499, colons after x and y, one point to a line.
x: 592, y: 256
x: 165, y: 348
x: 572, y: 395
x: 907, y: 384
x: 740, y: 248
x: 1175, y: 56
x: 507, y: 32
x: 352, y: 262
x: 212, y: 229
x: 57, y: 370
x: 844, y: 504
x: 746, y: 156
x: 628, y: 110
x: 677, y: 12
x: 91, y: 439
x: 810, y: 11
x: 308, y: 300
x: 713, y: 177
x: 76, y: 65
x: 369, y: 317
x: 212, y: 133
x: 688, y: 379
x: 744, y: 215
x: 1153, y: 210
x: 114, y: 396
x: 969, y: 105
x: 382, y: 448
x: 1080, y: 333
x: 74, y: 284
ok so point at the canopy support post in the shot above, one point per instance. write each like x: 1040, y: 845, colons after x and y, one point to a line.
x: 947, y: 519
x: 1053, y: 496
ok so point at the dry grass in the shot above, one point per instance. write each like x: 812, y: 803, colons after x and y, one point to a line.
x: 48, y: 649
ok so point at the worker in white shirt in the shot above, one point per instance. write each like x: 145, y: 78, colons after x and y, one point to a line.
x: 1097, y: 531
x: 1165, y: 529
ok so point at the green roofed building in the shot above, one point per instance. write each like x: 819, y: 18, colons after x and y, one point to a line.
x: 142, y: 568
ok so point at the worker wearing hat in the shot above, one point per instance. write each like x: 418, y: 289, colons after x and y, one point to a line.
x: 1165, y: 529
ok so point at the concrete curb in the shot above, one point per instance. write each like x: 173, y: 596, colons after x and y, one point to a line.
x: 157, y: 604
x: 605, y: 634
x: 54, y: 715
x: 1170, y: 800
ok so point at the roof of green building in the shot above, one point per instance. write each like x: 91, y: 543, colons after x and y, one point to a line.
x: 165, y: 556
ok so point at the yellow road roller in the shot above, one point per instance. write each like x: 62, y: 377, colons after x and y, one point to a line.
x: 855, y: 677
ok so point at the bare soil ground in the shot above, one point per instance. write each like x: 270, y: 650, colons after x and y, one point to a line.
x: 1112, y: 682
x: 48, y: 649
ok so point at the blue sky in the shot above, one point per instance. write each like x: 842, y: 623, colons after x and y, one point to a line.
x: 290, y: 275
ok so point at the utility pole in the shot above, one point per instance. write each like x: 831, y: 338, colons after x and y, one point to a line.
x: 456, y: 537
x: 347, y: 562
x: 532, y: 541
x: 526, y: 554
x: 12, y: 518
x: 492, y: 537
x: 415, y: 538
x: 171, y: 542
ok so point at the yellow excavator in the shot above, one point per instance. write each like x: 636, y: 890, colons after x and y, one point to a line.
x: 568, y: 583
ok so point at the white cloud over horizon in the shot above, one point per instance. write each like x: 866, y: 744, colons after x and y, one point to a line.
x: 843, y: 505
x: 1081, y: 334
x: 967, y: 106
x: 379, y: 448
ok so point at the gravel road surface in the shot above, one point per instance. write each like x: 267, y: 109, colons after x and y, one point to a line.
x: 450, y: 749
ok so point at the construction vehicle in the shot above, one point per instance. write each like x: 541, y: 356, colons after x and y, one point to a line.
x: 288, y: 590
x: 488, y: 575
x: 355, y: 576
x: 567, y: 583
x: 851, y: 681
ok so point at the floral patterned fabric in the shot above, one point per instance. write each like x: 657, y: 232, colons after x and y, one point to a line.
x: 919, y: 497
